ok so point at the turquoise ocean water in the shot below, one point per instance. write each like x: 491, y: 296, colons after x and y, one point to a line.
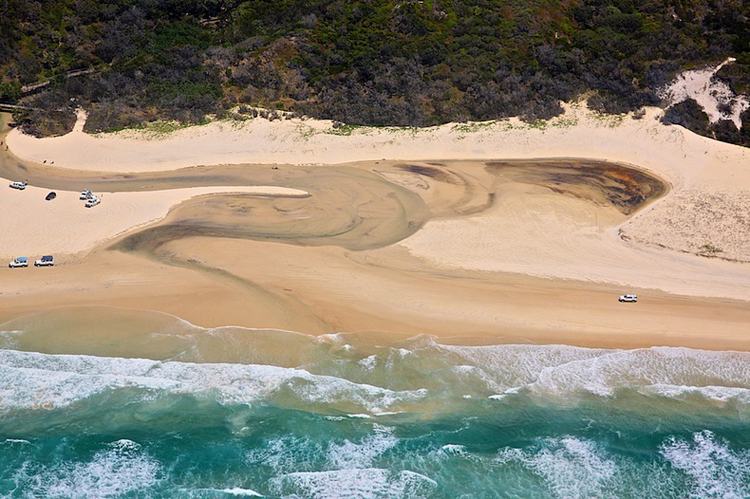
x: 227, y: 412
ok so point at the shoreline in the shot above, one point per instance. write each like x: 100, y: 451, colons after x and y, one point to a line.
x: 42, y: 335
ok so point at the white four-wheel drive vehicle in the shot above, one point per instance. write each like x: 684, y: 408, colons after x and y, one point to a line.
x: 93, y: 202
x: 18, y: 185
x: 21, y: 261
x: 45, y: 261
x: 629, y: 298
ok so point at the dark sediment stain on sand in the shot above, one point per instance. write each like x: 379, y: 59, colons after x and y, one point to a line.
x: 358, y: 210
x: 625, y: 188
x: 438, y: 174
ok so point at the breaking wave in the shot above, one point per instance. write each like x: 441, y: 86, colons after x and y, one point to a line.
x: 225, y: 413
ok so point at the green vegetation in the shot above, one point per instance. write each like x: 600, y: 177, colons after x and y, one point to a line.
x: 342, y: 129
x: 156, y: 128
x: 474, y: 127
x: 709, y: 249
x: 399, y: 63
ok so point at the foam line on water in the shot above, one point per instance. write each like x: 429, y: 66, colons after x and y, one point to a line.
x: 561, y: 370
x: 31, y: 379
x: 237, y: 491
x: 643, y: 368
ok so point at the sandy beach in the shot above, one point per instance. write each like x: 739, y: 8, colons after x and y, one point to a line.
x: 32, y: 226
x: 476, y: 233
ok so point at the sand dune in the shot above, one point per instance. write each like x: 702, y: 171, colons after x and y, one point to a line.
x: 669, y: 150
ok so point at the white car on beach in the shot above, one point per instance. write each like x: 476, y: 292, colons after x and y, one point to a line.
x: 21, y: 261
x: 45, y: 261
x: 629, y: 298
x: 18, y: 185
x: 86, y: 194
x: 93, y: 202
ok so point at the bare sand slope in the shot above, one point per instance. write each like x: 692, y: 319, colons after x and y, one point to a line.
x: 32, y: 226
x: 668, y: 150
x: 381, y: 295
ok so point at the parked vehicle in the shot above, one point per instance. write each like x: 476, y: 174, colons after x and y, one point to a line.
x: 18, y: 185
x: 21, y: 261
x: 45, y: 261
x: 630, y: 298
x: 93, y: 202
x: 86, y: 194
x: 51, y: 196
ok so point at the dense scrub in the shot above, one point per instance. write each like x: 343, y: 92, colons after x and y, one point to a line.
x: 372, y: 62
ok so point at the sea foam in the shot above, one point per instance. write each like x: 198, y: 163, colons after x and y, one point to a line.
x: 714, y: 468
x: 570, y: 467
x: 33, y: 381
x: 124, y: 468
x: 562, y: 371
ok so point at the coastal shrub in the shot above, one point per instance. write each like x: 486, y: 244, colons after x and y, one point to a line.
x: 689, y: 114
x: 375, y: 62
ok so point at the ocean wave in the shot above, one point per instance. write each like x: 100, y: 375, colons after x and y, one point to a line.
x: 570, y: 467
x: 563, y: 369
x: 643, y: 369
x: 349, y: 454
x: 313, y: 374
x: 10, y: 339
x: 384, y: 375
x: 225, y: 493
x: 41, y: 381
x: 718, y: 395
x: 288, y: 454
x: 237, y: 491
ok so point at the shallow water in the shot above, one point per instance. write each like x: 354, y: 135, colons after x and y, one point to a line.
x: 159, y: 407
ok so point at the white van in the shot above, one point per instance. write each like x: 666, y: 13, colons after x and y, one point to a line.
x: 629, y: 298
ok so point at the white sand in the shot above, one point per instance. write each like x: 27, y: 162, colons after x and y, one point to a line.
x: 32, y: 226
x: 699, y: 170
x: 536, y: 232
x: 668, y: 150
x: 708, y: 92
